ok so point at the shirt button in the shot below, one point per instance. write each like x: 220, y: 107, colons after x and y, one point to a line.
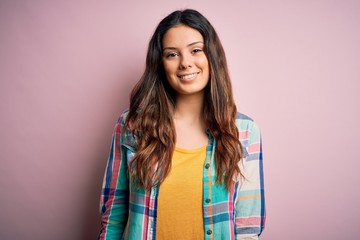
x: 208, y: 232
x: 208, y: 200
x: 207, y: 165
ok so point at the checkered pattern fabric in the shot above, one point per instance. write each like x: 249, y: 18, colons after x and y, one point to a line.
x: 129, y: 212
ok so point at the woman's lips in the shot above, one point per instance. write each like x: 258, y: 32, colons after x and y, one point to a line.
x: 187, y: 77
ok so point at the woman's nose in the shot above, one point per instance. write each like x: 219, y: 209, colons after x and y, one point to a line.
x: 185, y: 62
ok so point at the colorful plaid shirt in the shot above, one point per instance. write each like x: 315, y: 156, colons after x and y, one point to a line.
x: 129, y: 212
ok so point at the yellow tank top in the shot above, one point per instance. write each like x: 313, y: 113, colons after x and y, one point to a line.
x: 180, y: 213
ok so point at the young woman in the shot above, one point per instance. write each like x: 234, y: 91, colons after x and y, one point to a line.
x: 184, y: 164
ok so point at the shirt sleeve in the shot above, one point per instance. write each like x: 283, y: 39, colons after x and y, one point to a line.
x: 250, y: 202
x: 115, y: 189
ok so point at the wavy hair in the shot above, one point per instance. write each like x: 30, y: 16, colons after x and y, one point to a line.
x: 152, y: 102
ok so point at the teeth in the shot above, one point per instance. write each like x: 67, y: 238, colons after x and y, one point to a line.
x: 188, y: 76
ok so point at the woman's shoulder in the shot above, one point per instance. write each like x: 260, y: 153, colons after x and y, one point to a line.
x: 128, y: 139
x: 245, y: 123
x: 243, y: 120
x: 122, y: 118
x: 242, y: 116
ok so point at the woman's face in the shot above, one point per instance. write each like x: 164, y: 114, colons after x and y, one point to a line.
x: 185, y: 63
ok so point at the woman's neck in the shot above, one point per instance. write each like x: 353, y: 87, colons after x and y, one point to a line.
x: 189, y: 121
x: 189, y: 108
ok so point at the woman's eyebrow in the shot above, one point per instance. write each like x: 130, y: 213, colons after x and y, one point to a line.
x: 195, y: 43
x: 190, y: 44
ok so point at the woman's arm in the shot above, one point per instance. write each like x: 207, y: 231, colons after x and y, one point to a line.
x: 250, y: 205
x: 115, y: 191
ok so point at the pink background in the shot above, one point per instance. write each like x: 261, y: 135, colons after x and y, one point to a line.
x: 66, y: 69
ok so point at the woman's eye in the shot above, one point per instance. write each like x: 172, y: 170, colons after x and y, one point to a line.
x: 197, y: 50
x: 170, y: 55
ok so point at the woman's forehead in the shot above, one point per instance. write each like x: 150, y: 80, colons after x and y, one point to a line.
x: 181, y: 36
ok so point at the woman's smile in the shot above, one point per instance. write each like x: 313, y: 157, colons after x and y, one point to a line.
x: 185, y: 62
x: 188, y: 77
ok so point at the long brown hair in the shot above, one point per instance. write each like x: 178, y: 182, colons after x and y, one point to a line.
x: 152, y: 101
